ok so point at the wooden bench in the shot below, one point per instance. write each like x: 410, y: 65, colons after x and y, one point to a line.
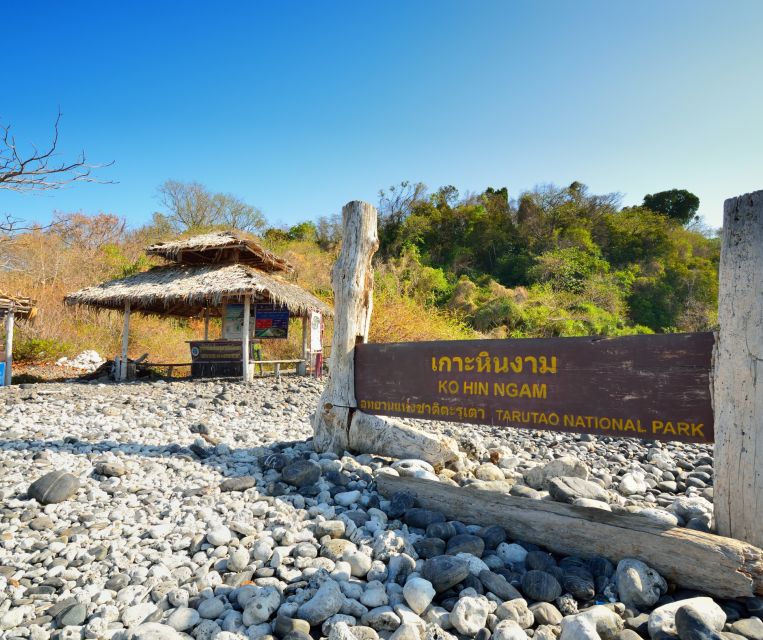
x: 171, y: 365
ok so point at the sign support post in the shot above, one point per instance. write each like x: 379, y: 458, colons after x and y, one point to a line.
x: 738, y: 397
x: 8, y: 346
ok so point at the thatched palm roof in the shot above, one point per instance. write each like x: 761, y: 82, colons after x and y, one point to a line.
x: 217, y: 247
x: 186, y: 290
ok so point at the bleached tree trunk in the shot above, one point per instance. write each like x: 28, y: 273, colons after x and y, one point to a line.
x: 737, y: 397
x: 245, y: 340
x: 353, y: 281
x: 338, y: 426
x: 125, y: 343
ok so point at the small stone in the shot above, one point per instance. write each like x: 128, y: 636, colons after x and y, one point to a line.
x: 422, y: 518
x: 444, y: 572
x: 325, y: 603
x: 691, y: 626
x: 263, y: 603
x: 110, y: 469
x: 513, y: 554
x: 73, y: 616
x: 183, y: 618
x: 508, y: 630
x: 639, y: 586
x: 347, y: 498
x: 418, y: 593
x: 54, y: 487
x: 662, y: 624
x: 238, y: 559
x: 218, y: 536
x: 465, y: 543
x: 381, y: 619
x: 301, y: 473
x: 517, y: 611
x: 153, y: 631
x: 137, y: 613
x: 498, y: 585
x: 546, y: 613
x: 568, y: 489
x: 751, y: 628
x: 239, y: 483
x: 211, y: 609
x: 540, y: 586
x: 375, y: 595
x: 469, y: 615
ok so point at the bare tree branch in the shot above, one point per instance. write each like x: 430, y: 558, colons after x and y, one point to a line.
x: 38, y: 170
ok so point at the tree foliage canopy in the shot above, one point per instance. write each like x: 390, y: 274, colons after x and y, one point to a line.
x: 679, y: 204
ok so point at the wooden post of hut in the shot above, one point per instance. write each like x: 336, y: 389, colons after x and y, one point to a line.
x: 304, y: 367
x: 245, y: 339
x: 122, y: 373
x: 9, y: 345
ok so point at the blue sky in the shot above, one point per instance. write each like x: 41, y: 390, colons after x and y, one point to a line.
x: 300, y: 107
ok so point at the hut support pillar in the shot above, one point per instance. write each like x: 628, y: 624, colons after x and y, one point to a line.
x: 206, y: 323
x: 125, y: 340
x: 303, y: 368
x: 8, y: 346
x: 245, y: 339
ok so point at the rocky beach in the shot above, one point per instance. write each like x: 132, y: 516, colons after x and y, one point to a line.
x: 200, y: 510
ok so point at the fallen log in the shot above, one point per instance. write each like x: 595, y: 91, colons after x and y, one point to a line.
x: 393, y: 439
x: 722, y: 567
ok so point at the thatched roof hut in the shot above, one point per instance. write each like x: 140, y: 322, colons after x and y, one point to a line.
x: 187, y: 290
x: 206, y: 273
x: 218, y: 247
x: 21, y: 306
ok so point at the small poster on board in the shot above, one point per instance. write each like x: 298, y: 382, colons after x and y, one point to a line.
x: 316, y: 329
x: 271, y: 321
x: 233, y: 322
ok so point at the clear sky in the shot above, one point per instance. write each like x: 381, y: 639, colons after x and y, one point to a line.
x: 300, y: 107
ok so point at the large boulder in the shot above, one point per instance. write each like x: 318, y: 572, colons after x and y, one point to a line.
x: 54, y: 487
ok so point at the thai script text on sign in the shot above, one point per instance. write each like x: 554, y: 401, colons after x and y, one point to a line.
x: 654, y: 387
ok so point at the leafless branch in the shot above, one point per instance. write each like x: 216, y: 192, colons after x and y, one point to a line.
x: 39, y: 170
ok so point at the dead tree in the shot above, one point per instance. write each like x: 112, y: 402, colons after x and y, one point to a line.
x: 39, y: 170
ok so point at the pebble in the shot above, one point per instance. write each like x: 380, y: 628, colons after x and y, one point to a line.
x: 54, y: 487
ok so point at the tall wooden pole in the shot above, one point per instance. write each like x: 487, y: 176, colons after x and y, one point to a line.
x: 9, y: 346
x: 305, y: 354
x: 206, y: 323
x: 125, y: 341
x: 245, y: 339
x: 737, y: 397
x: 352, y: 279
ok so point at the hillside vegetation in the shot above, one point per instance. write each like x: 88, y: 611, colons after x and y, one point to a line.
x: 554, y: 262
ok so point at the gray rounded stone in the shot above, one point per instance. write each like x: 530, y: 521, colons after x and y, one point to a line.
x: 54, y: 487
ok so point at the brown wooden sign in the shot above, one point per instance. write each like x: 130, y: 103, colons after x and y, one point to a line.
x: 652, y: 386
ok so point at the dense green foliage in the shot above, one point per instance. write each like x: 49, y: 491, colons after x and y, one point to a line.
x: 555, y: 262
x: 679, y: 204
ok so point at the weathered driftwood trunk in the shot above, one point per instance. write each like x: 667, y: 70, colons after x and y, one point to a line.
x: 720, y: 566
x: 353, y: 281
x: 338, y: 426
x: 737, y: 399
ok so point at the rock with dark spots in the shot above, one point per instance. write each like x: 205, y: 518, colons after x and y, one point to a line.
x: 444, y: 572
x: 54, y: 487
x: 540, y: 586
x: 239, y: 483
x: 422, y: 518
x: 498, y: 585
x: 301, y: 473
x: 466, y: 543
x: 691, y: 626
x: 400, y: 503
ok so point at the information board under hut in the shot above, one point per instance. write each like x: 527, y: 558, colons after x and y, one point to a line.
x: 653, y: 387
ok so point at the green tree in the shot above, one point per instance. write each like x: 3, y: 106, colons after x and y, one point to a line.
x: 678, y: 204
